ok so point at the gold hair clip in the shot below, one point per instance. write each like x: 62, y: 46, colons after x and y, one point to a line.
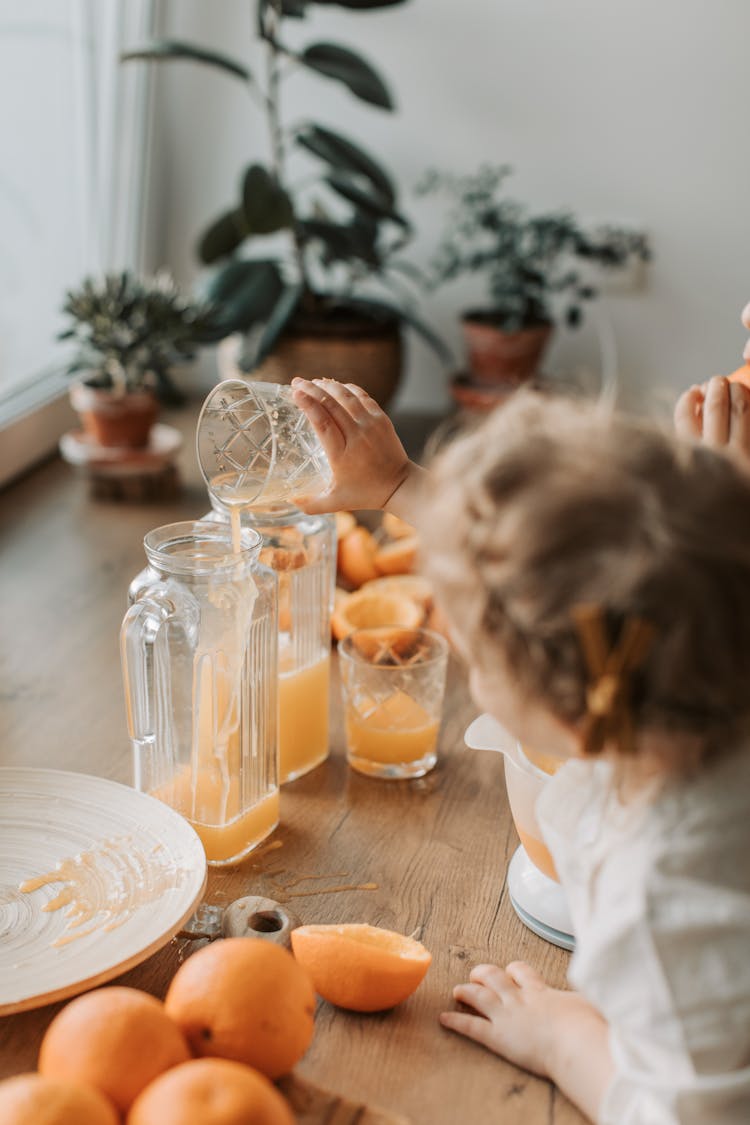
x: 608, y: 716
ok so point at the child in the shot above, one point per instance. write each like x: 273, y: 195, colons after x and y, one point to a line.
x: 596, y: 576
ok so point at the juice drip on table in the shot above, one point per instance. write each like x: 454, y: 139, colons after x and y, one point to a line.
x: 394, y: 731
x: 208, y: 792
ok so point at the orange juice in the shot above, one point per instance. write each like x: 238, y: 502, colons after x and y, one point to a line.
x: 234, y: 839
x: 208, y: 792
x: 390, y: 733
x: 303, y: 718
x: 538, y: 853
x: 534, y: 847
x: 213, y: 809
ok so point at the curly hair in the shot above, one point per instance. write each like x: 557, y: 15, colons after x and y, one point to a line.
x: 553, y: 504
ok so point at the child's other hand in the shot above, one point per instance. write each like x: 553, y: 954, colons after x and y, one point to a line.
x: 513, y: 1007
x: 717, y: 413
x: 555, y: 1034
x: 368, y: 461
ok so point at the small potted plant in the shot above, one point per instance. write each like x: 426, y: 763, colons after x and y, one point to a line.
x: 532, y: 265
x: 129, y: 334
x: 332, y: 301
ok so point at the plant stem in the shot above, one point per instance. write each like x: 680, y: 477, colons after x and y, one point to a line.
x: 275, y: 128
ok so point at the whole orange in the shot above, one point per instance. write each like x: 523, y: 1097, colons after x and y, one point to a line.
x: 115, y: 1039
x: 210, y: 1092
x: 32, y: 1099
x: 356, y: 556
x: 244, y: 999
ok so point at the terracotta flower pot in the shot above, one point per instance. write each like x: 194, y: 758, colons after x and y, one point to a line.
x: 111, y: 419
x: 495, y: 356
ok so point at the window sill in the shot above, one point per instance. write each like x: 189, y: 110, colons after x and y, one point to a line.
x: 34, y: 422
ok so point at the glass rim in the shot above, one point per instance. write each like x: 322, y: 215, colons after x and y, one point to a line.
x: 345, y: 646
x: 160, y: 541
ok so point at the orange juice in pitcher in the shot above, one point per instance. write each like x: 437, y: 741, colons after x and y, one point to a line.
x: 199, y: 656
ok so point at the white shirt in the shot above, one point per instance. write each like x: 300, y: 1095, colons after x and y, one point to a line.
x: 659, y: 894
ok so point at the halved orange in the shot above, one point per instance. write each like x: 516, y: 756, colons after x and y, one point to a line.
x: 364, y: 610
x: 356, y: 557
x: 360, y: 967
x: 414, y: 586
x: 398, y: 557
x: 395, y: 527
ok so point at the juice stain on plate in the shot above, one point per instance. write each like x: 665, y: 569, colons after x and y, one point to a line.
x: 104, y: 886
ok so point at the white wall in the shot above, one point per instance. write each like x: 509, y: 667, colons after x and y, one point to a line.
x: 627, y: 109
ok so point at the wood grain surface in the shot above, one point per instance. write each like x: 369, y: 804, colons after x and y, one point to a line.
x: 437, y: 847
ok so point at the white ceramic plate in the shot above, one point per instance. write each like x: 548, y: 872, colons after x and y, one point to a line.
x: 133, y: 868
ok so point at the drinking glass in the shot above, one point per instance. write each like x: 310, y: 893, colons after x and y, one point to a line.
x: 393, y: 684
x: 256, y: 447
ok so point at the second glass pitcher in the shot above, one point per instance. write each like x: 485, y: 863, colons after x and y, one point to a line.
x: 301, y: 549
x: 199, y: 658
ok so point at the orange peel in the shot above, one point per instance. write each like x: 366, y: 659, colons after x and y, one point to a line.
x: 365, y: 610
x: 360, y: 967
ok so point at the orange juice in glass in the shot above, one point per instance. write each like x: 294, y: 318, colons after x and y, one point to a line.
x: 393, y: 682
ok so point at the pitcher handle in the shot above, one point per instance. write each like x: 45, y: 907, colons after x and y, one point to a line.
x: 140, y: 627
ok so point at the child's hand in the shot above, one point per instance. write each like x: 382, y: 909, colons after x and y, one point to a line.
x: 368, y: 461
x: 717, y: 413
x: 552, y: 1033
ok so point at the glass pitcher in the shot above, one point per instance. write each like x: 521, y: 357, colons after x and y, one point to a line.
x: 302, y: 551
x: 199, y: 660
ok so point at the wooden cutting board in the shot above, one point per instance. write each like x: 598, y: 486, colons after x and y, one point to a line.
x: 313, y: 1105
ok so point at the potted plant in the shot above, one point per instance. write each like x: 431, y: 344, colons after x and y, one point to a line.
x: 129, y: 333
x: 531, y: 264
x: 334, y: 300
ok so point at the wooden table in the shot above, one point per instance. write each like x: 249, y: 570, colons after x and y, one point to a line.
x: 438, y: 847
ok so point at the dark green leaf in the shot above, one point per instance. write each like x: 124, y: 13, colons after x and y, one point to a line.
x: 284, y: 310
x: 372, y: 203
x: 335, y: 237
x: 350, y: 68
x: 245, y: 292
x: 174, y: 49
x: 346, y: 155
x: 222, y: 237
x: 383, y: 310
x: 266, y: 206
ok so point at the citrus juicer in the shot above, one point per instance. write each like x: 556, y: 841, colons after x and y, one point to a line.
x: 535, y: 892
x: 256, y: 447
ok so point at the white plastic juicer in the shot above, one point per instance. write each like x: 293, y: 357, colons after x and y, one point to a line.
x: 536, y: 895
